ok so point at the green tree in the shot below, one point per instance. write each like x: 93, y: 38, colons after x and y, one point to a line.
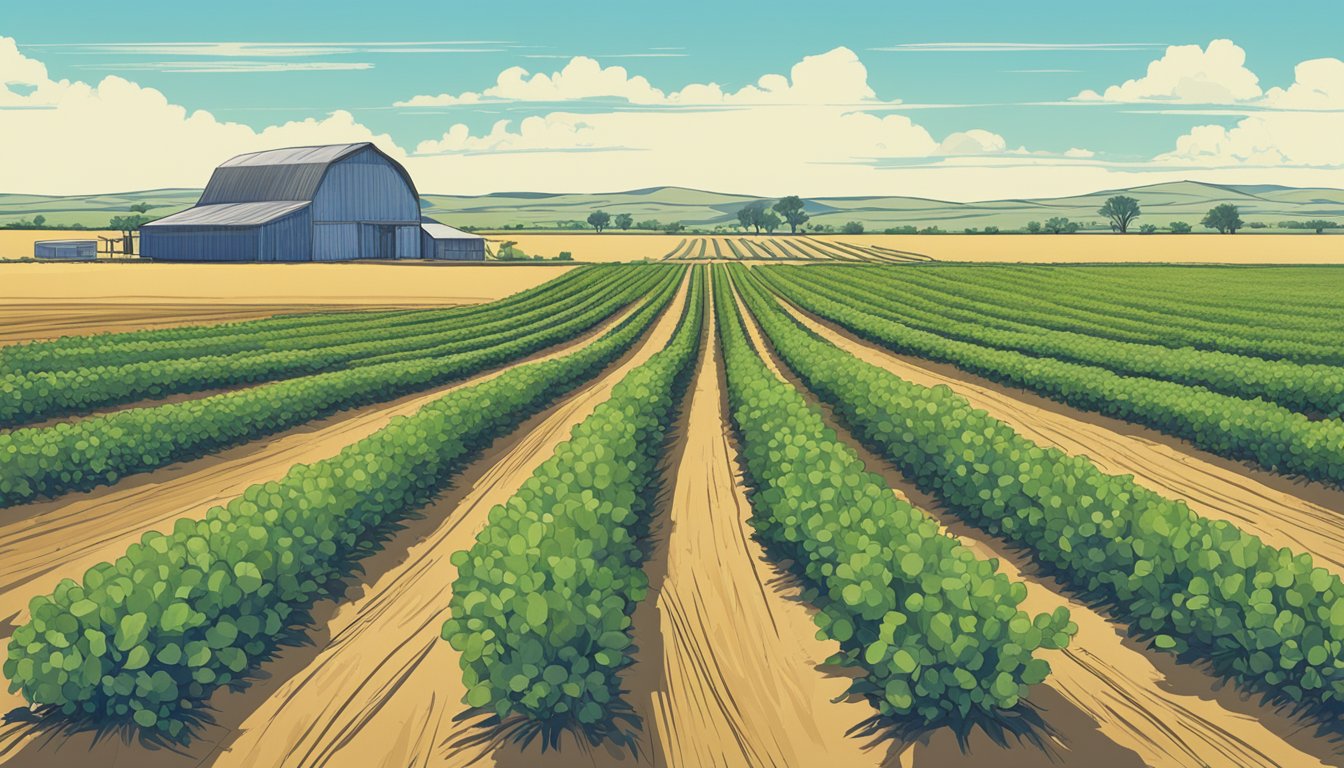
x: 652, y: 224
x: 39, y: 220
x: 599, y: 220
x: 752, y: 216
x: 128, y: 223
x: 140, y: 208
x: 673, y: 227
x: 1225, y: 218
x: 1059, y: 225
x: 624, y: 221
x: 1147, y: 229
x: 1180, y: 228
x: 1034, y: 227
x: 770, y: 221
x: 852, y: 228
x: 1122, y: 211
x: 791, y: 208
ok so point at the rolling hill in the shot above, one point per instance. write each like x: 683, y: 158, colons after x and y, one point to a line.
x: 697, y: 209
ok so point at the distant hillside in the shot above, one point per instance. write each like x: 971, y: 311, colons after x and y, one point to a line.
x: 1162, y: 203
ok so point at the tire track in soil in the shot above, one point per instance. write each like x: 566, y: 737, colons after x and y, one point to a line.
x: 1108, y: 697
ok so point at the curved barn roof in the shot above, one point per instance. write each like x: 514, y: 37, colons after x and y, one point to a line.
x: 290, y: 174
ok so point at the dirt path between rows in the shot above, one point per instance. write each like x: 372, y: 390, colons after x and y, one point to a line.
x: 729, y: 671
x: 1305, y: 516
x: 44, y: 542
x: 1109, y: 701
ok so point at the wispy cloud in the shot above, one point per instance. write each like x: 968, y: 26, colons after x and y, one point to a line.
x: 992, y: 47
x: 233, y: 66
x: 277, y: 50
x: 651, y: 55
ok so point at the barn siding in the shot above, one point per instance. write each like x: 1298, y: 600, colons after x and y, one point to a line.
x: 288, y: 239
x: 200, y: 243
x: 365, y: 187
x: 408, y: 242
x: 335, y: 242
x: 453, y: 249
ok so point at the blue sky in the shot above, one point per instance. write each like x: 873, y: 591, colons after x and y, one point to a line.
x: 949, y: 98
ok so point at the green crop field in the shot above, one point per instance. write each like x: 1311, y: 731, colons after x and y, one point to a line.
x: 944, y: 499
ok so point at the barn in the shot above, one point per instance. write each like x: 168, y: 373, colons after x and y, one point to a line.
x: 328, y: 203
x: 440, y: 241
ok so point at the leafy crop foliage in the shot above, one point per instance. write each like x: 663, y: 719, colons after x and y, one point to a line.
x: 1267, y: 617
x: 1270, y: 435
x: 45, y: 462
x: 265, y: 334
x: 1281, y: 315
x: 146, y: 639
x: 541, y: 607
x: 937, y: 630
x: 1306, y: 388
x: 25, y: 397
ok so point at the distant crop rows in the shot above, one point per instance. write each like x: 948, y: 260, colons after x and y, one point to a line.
x: 48, y: 461
x: 786, y: 248
x: 1271, y: 435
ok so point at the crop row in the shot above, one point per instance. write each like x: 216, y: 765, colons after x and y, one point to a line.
x: 1274, y: 437
x: 937, y: 630
x: 1287, y: 297
x: 540, y: 610
x: 147, y: 638
x: 73, y: 353
x: 1304, y: 388
x: 1205, y: 589
x: 1030, y: 303
x: 27, y: 397
x: 47, y: 461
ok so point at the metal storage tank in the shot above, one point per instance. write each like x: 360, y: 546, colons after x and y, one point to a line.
x: 66, y: 250
x: 441, y: 241
x: 328, y: 203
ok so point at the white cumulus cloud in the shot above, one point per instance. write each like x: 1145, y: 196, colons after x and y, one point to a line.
x: 1216, y: 74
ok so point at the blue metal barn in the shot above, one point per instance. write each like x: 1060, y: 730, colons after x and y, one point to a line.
x: 440, y: 241
x: 330, y: 203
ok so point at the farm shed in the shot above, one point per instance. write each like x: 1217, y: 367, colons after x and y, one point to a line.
x: 66, y: 250
x: 440, y: 241
x: 329, y: 203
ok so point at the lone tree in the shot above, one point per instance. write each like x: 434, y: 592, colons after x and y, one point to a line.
x: 599, y: 220
x: 1121, y: 210
x: 852, y: 228
x: 1034, y: 227
x: 624, y: 221
x: 791, y: 208
x: 1179, y: 228
x: 1225, y: 218
x: 752, y: 216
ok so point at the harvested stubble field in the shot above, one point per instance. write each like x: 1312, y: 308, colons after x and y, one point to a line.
x: 677, y: 514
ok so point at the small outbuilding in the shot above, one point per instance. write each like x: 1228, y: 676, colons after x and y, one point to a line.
x: 66, y: 250
x: 329, y: 203
x: 440, y: 241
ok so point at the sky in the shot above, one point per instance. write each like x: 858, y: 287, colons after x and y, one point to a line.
x: 968, y: 100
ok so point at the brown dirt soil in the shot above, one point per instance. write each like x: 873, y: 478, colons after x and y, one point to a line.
x: 1109, y: 701
x: 44, y: 542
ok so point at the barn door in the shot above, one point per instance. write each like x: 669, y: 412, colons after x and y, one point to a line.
x: 387, y: 242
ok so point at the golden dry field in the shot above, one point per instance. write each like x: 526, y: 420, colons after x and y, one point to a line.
x: 1191, y: 249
